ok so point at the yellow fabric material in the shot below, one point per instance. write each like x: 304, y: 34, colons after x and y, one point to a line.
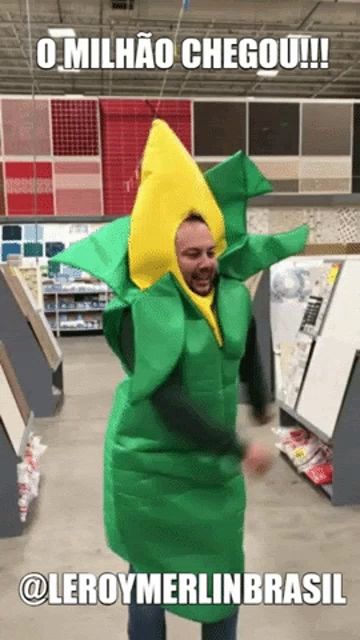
x: 171, y: 187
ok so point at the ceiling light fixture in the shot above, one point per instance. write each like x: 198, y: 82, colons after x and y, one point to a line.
x: 264, y: 73
x: 62, y: 70
x: 299, y: 35
x: 61, y: 32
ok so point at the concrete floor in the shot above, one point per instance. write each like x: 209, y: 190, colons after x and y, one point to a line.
x: 290, y: 528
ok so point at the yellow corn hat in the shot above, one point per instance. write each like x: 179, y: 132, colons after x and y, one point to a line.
x: 172, y: 186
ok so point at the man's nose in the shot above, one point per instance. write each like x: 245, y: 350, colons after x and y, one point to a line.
x: 206, y: 262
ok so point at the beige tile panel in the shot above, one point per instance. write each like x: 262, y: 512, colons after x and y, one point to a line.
x: 281, y: 168
x: 321, y: 167
x: 325, y: 185
x: 327, y: 226
x: 283, y: 220
x: 285, y: 186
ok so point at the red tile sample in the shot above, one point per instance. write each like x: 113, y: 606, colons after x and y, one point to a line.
x: 125, y: 125
x: 75, y: 127
x: 78, y: 188
x: 26, y: 127
x: 2, y: 199
x: 29, y: 188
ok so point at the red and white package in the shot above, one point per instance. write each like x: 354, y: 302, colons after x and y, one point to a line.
x: 307, y: 453
x: 321, y: 473
x: 29, y: 475
x: 302, y: 454
x: 288, y: 439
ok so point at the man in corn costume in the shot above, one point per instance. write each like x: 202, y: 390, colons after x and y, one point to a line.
x: 171, y: 506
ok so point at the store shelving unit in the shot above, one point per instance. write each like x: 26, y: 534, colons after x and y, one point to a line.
x: 326, y: 398
x: 345, y: 442
x: 76, y: 306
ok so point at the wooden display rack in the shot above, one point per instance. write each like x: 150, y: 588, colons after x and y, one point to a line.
x: 33, y: 349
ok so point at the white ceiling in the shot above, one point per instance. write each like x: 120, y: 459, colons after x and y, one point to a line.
x: 338, y: 20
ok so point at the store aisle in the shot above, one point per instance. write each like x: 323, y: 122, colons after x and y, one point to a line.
x: 290, y: 527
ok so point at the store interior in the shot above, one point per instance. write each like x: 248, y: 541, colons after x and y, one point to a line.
x: 71, y: 146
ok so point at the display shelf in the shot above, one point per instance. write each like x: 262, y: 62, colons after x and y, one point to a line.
x: 28, y: 338
x: 345, y: 442
x: 14, y: 487
x: 311, y: 427
x: 321, y: 488
x: 79, y: 330
x: 15, y: 412
x: 10, y: 523
x: 16, y: 422
x: 64, y: 292
x: 74, y: 310
x: 327, y: 400
x: 89, y: 293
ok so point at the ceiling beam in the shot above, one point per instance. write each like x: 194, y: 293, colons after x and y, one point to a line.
x: 59, y: 8
x: 24, y: 54
x: 311, y: 13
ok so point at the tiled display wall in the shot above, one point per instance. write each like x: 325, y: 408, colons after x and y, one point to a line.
x: 81, y: 157
x: 51, y: 157
x: 42, y: 241
x: 301, y: 147
x: 339, y: 225
x: 78, y: 157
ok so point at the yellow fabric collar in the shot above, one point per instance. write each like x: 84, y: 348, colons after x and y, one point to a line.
x: 203, y: 303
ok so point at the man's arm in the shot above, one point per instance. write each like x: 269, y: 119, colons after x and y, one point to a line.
x: 177, y: 412
x: 252, y: 374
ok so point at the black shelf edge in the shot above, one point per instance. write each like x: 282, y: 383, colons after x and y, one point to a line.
x: 328, y: 488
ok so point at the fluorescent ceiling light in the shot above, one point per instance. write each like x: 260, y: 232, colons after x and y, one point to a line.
x: 61, y: 32
x: 62, y: 70
x: 299, y: 35
x: 268, y: 73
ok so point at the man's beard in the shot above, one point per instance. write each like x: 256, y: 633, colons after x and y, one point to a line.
x: 212, y: 280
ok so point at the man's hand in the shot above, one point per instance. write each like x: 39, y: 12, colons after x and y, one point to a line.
x: 258, y: 460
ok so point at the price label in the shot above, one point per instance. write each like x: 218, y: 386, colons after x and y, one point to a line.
x: 333, y: 274
x: 299, y: 452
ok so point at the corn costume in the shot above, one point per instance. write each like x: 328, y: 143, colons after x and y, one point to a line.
x: 170, y: 506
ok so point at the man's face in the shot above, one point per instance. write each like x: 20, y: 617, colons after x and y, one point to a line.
x: 195, y: 251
